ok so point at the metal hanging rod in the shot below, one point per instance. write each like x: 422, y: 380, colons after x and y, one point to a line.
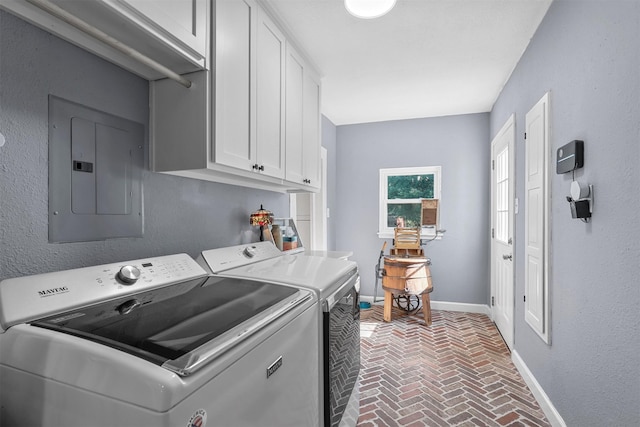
x: 72, y: 20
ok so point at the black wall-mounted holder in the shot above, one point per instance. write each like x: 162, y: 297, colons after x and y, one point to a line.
x: 569, y: 158
x: 581, y: 201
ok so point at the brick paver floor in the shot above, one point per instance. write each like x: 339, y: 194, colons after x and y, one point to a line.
x: 456, y: 372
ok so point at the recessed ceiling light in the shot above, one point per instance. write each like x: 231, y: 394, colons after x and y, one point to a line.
x: 369, y: 9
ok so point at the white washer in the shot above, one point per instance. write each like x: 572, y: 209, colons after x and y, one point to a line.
x: 155, y: 342
x: 336, y: 283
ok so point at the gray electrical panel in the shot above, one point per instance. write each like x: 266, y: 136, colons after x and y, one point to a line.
x: 95, y: 174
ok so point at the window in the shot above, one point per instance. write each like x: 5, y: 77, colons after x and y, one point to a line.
x: 502, y: 196
x: 401, y: 194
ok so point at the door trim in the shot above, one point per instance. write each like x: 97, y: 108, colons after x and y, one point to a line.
x: 317, y: 208
x: 508, y: 127
x: 537, y: 230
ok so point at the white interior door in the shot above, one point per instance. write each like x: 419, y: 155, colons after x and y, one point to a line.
x: 502, y: 219
x: 536, y: 218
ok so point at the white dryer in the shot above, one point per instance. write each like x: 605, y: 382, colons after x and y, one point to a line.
x: 336, y: 284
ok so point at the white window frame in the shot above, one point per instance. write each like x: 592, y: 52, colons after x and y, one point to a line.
x: 385, y: 232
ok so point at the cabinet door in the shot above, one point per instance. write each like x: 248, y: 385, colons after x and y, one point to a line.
x: 311, y: 129
x: 184, y: 20
x: 293, y: 134
x: 234, y: 141
x: 270, y: 55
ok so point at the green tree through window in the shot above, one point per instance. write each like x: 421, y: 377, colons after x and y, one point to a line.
x: 407, y: 187
x: 402, y: 191
x: 410, y: 187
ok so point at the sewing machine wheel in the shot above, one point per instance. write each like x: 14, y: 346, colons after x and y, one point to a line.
x: 408, y: 303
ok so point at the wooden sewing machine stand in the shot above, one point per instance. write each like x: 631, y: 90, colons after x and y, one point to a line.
x: 406, y: 272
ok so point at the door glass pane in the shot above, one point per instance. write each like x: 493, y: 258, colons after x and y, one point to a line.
x: 502, y: 196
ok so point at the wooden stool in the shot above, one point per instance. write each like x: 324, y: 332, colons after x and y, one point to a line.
x: 407, y: 276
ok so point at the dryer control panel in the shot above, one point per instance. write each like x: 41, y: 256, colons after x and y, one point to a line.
x: 222, y: 259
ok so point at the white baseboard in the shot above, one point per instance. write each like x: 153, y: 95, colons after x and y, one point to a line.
x: 461, y: 306
x: 441, y: 305
x: 543, y: 400
x: 369, y: 299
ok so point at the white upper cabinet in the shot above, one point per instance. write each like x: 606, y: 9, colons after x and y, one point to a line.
x: 173, y: 33
x: 252, y: 120
x: 249, y: 125
x: 302, y: 122
x: 235, y: 136
x: 311, y: 129
x: 294, y: 112
x: 180, y: 23
x: 270, y: 101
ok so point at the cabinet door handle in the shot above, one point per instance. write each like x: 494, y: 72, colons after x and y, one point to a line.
x: 261, y: 168
x: 255, y: 166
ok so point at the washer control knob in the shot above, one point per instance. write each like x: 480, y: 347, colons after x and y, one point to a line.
x: 128, y: 274
x: 250, y: 251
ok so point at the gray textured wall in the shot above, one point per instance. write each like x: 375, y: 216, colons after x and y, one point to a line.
x: 588, y: 55
x: 460, y: 144
x: 181, y: 215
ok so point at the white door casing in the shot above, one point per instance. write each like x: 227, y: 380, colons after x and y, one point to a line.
x: 502, y: 221
x: 309, y: 210
x: 319, y: 213
x: 537, y: 158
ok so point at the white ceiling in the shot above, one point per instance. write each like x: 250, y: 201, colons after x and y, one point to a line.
x: 426, y: 58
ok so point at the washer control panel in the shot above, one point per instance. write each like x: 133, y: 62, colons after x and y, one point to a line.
x: 221, y: 259
x: 29, y: 298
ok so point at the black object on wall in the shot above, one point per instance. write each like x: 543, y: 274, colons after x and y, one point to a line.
x: 570, y: 157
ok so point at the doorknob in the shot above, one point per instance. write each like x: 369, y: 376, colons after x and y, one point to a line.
x: 509, y: 257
